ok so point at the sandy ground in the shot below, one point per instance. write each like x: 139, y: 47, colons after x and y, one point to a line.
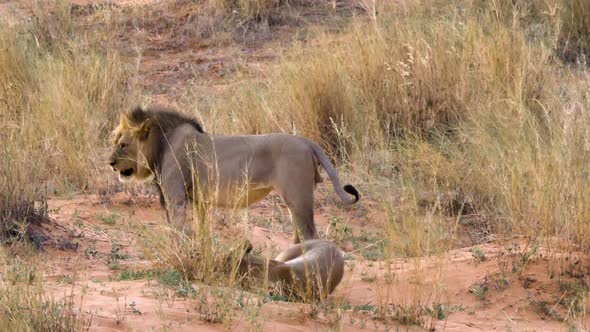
x: 82, y: 269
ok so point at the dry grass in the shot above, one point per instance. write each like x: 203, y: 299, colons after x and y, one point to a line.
x: 27, y: 306
x: 60, y: 91
x: 466, y: 100
x: 249, y: 9
x: 204, y: 269
x: 469, y: 102
x: 575, y: 31
x: 22, y: 200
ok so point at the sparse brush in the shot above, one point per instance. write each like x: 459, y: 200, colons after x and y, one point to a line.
x: 27, y: 307
x: 249, y: 9
x: 574, y: 36
x: 59, y: 93
x: 207, y: 274
x: 22, y: 200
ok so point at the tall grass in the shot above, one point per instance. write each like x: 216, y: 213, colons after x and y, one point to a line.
x: 464, y: 99
x: 401, y: 75
x: 248, y: 9
x: 61, y: 92
x: 575, y: 31
x: 22, y: 198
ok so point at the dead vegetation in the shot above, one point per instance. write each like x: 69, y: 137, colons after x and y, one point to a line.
x: 26, y: 304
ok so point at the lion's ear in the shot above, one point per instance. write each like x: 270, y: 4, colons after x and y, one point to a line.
x: 247, y: 246
x: 137, y: 115
x: 143, y: 130
x: 123, y: 121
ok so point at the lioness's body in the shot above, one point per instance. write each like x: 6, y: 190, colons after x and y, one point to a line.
x: 311, y: 269
x: 227, y: 171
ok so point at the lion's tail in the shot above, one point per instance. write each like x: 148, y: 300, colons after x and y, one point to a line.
x: 327, y: 165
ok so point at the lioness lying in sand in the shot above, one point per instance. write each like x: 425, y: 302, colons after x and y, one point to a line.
x: 309, y: 270
x: 226, y: 171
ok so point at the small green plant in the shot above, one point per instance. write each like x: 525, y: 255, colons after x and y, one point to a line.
x: 367, y: 308
x: 478, y: 254
x: 114, y: 256
x: 574, y: 296
x: 340, y: 232
x: 67, y: 279
x: 408, y: 314
x: 275, y: 298
x: 528, y: 254
x: 214, y: 305
x: 136, y: 275
x: 522, y: 257
x: 91, y: 251
x: 21, y: 273
x: 170, y: 278
x: 175, y: 280
x: 375, y: 252
x: 110, y: 219
x: 546, y: 310
x: 368, y: 278
x: 115, y: 265
x: 502, y: 283
x: 346, y: 306
x: 441, y: 311
x: 480, y: 291
x: 362, y: 322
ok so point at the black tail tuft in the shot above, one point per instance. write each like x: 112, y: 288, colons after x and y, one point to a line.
x: 352, y: 190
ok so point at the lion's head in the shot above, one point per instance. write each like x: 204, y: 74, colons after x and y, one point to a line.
x: 137, y: 140
x: 131, y: 155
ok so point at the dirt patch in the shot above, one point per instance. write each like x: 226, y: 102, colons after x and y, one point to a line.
x: 470, y: 289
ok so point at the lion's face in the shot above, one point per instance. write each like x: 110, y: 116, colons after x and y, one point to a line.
x: 130, y: 155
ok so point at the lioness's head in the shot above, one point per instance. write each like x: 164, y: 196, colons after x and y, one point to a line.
x: 132, y: 154
x: 137, y: 139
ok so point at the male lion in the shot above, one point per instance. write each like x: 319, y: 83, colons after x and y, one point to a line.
x: 227, y: 171
x: 309, y: 270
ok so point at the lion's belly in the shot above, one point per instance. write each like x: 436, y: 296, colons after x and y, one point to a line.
x: 240, y: 198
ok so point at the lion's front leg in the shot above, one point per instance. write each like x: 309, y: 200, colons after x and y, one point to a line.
x: 174, y: 201
x: 177, y: 214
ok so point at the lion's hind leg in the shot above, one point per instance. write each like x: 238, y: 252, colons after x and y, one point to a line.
x: 301, y: 211
x: 294, y: 181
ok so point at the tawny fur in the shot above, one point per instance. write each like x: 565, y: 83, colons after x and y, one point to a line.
x: 227, y: 171
x: 309, y: 270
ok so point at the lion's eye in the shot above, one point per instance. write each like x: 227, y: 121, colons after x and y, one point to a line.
x: 123, y: 146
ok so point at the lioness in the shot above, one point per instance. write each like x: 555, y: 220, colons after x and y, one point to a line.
x: 227, y: 171
x: 309, y: 270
